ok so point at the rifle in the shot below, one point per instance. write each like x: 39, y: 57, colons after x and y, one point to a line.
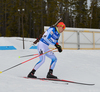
x: 40, y: 36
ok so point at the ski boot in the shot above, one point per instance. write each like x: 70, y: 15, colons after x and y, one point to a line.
x: 50, y: 74
x: 31, y: 74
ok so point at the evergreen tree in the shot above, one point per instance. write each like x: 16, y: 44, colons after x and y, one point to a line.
x: 81, y: 13
x: 40, y: 13
x: 94, y: 14
x: 3, y: 17
x: 52, y: 12
x: 12, y: 18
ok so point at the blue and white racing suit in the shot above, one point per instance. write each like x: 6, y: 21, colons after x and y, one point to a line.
x: 51, y: 36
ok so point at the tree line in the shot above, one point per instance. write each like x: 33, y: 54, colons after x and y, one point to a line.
x: 30, y: 16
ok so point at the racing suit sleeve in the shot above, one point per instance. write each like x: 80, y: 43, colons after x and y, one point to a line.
x: 50, y: 38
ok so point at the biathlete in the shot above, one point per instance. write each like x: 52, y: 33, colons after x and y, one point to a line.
x: 51, y: 36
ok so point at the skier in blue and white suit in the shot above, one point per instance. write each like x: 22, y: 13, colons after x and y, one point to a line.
x: 51, y: 36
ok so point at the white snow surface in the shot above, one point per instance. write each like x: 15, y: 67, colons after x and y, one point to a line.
x: 73, y: 65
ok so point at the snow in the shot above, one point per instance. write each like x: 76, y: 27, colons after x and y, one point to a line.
x: 73, y: 65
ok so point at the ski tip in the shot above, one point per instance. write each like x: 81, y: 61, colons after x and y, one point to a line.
x: 18, y: 56
x: 0, y: 71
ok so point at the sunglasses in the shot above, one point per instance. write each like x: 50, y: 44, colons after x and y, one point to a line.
x: 61, y: 26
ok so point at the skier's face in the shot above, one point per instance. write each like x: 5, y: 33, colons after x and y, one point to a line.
x: 60, y: 29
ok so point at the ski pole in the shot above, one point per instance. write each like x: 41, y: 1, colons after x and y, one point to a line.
x: 31, y: 55
x: 25, y: 61
x: 27, y: 55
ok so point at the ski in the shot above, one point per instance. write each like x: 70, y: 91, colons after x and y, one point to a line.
x: 61, y: 80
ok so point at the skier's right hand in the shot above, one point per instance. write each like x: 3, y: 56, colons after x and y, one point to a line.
x: 58, y: 47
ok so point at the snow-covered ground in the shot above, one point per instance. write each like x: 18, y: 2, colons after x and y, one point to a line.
x: 73, y: 65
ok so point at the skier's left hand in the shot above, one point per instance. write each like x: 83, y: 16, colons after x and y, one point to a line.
x: 58, y: 47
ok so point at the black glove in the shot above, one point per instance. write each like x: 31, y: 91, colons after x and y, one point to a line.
x: 58, y: 47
